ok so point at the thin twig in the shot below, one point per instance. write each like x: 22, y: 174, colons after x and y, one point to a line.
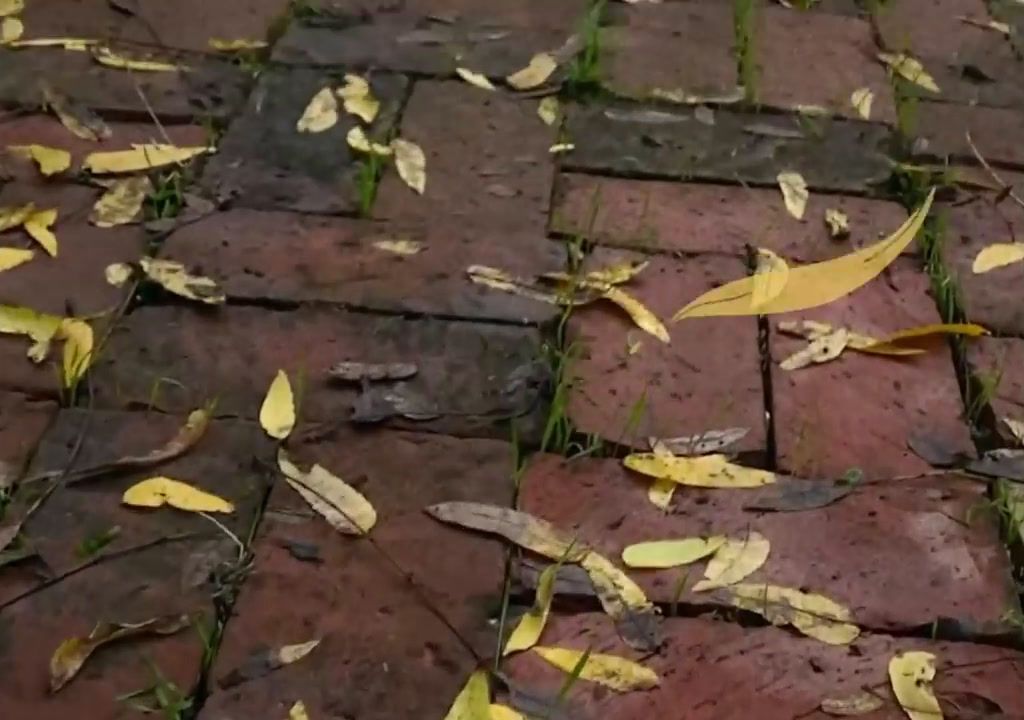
x: 992, y: 173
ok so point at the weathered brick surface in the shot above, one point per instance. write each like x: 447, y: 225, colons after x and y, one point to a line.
x: 713, y: 670
x: 383, y: 654
x: 22, y: 423
x: 941, y: 132
x: 858, y: 411
x: 739, y: 147
x: 983, y: 72
x: 704, y: 218
x: 846, y: 551
x: 707, y: 377
x: 1000, y: 361
x: 931, y: 28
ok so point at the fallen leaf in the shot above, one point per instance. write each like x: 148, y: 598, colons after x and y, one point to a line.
x: 1016, y: 428
x: 12, y: 216
x: 357, y: 140
x: 159, y: 491
x: 909, y: 69
x: 50, y: 160
x: 911, y: 674
x: 814, y: 111
x: 734, y: 560
x: 11, y: 258
x: 298, y: 711
x: 769, y: 278
x: 173, y: 277
x: 999, y: 27
x: 540, y: 68
x: 794, y: 193
x: 11, y: 7
x: 814, y: 615
x: 474, y: 700
x: 357, y: 98
x: 827, y: 342
x: 549, y: 109
x: 117, y: 274
x: 70, y: 655
x: 861, y: 99
x: 504, y: 712
x: 635, y: 618
x: 11, y: 28
x: 644, y: 318
x: 838, y: 224
x: 106, y: 56
x: 559, y: 148
x: 902, y: 342
x: 531, y: 625
x: 373, y: 372
x: 789, y: 494
x: 815, y: 284
x: 38, y: 327
x: 703, y: 443
x: 411, y: 164
x: 997, y: 255
x: 236, y: 45
x: 617, y: 673
x: 140, y: 157
x: 670, y: 553
x: 76, y: 44
x: 500, y: 280
x: 277, y: 413
x: 78, y: 349
x: 860, y: 703
x: 79, y: 120
x: 122, y: 203
x: 261, y: 663
x: 820, y: 350
x: 525, y: 530
x: 399, y: 247
x: 474, y: 78
x: 345, y: 508
x: 714, y: 471
x: 320, y: 114
x: 38, y: 225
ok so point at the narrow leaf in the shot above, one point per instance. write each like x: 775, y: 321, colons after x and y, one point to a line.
x: 474, y: 700
x: 704, y: 471
x: 173, y: 277
x: 814, y: 615
x: 531, y: 625
x: 734, y: 560
x: 794, y: 193
x: 997, y: 255
x: 644, y: 318
x: 11, y: 258
x: 411, y: 164
x: 474, y: 78
x: 344, y: 507
x: 159, y: 491
x: 670, y: 553
x: 636, y: 619
x: 617, y: 673
x: 140, y: 158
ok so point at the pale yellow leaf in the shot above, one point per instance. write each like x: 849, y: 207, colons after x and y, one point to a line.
x: 616, y: 274
x: 911, y: 674
x: 705, y: 471
x: 820, y: 350
x: 320, y: 114
x: 50, y: 160
x: 287, y: 654
x: 399, y: 247
x: 173, y: 277
x: 559, y: 148
x: 358, y: 98
x: 474, y: 78
x: 734, y: 560
x: 998, y: 255
x: 909, y: 69
x: 999, y: 27
x: 11, y: 258
x: 670, y: 553
x: 540, y: 68
x: 474, y: 700
x: 617, y: 673
x: 298, y: 711
x: 122, y: 202
x: 770, y: 278
x: 549, y: 110
x: 357, y: 140
x: 11, y: 7
x: 794, y: 193
x: 117, y: 274
x: 1016, y: 428
x: 38, y: 225
x: 277, y: 414
x: 660, y: 493
x: 158, y: 491
x: 236, y: 45
x: 500, y: 280
x: 862, y: 99
x: 644, y: 318
x: 531, y: 625
x: 815, y: 284
x: 624, y: 601
x: 345, y: 508
x: 78, y: 348
x: 813, y: 615
x: 504, y: 712
x: 11, y: 28
x: 838, y: 224
x: 411, y: 164
x: 860, y: 703
x: 78, y: 119
x: 902, y: 342
x: 75, y: 44
x: 12, y: 216
x: 38, y: 327
x: 139, y: 158
x: 106, y: 56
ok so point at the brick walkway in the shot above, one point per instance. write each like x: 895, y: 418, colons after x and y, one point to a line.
x: 923, y: 563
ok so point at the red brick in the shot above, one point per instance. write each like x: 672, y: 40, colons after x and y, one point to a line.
x: 22, y: 422
x: 383, y: 653
x: 713, y: 670
x: 930, y: 28
x: 818, y: 59
x: 1002, y: 360
x: 704, y: 218
x: 847, y: 550
x: 299, y: 257
x: 941, y: 131
x: 859, y: 410
x: 707, y: 377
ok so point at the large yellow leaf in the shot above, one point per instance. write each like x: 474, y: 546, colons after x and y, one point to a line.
x: 345, y: 508
x: 734, y: 560
x: 39, y: 327
x: 617, y: 673
x: 173, y: 277
x: 140, y: 157
x: 644, y: 318
x: 11, y: 258
x: 50, y: 160
x: 909, y: 69
x: 704, y: 471
x: 670, y: 553
x: 358, y: 98
x: 474, y: 78
x: 106, y: 56
x: 997, y: 255
x: 122, y: 202
x: 411, y: 164
x: 536, y: 73
x: 814, y: 615
x: 320, y: 114
x: 158, y: 491
x: 78, y: 347
x: 531, y: 625
x: 769, y: 278
x: 812, y: 285
x: 794, y: 193
x: 38, y: 225
x: 911, y: 674
x: 474, y: 700
x: 277, y: 414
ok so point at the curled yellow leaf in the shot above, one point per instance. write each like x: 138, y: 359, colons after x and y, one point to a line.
x: 358, y: 98
x: 78, y: 348
x: 11, y: 28
x: 320, y: 114
x: 643, y: 317
x: 820, y: 350
x: 531, y: 625
x: 911, y: 674
x: 734, y: 560
x: 38, y: 225
x: 617, y: 673
x: 474, y: 78
x: 159, y: 491
x: 540, y: 68
x: 345, y: 508
x: 997, y: 255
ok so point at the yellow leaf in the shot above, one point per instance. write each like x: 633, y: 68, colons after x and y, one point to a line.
x: 713, y: 471
x: 504, y: 712
x: 838, y: 224
x: 70, y: 655
x: 815, y: 284
x: 644, y: 318
x: 623, y: 601
x: 909, y: 69
x: 911, y: 674
x: 617, y: 673
x: 117, y: 274
x: 501, y: 280
x: 536, y: 73
x: 411, y: 164
x: 999, y: 27
x: 106, y: 56
x: 734, y: 560
x: 11, y: 7
x: 531, y: 625
x: 236, y: 45
x: 173, y: 277
x: 769, y: 278
x: 474, y: 700
x: 122, y: 202
x: 559, y: 148
x: 159, y: 491
x: 820, y: 350
x: 78, y: 347
x: 50, y: 160
x: 357, y: 140
x: 11, y: 28
x: 11, y: 258
x: 998, y: 255
x: 76, y: 44
x: 14, y: 215
x: 860, y: 703
x: 474, y: 78
x: 1016, y: 428
x: 320, y: 114
x: 549, y: 109
x: 39, y: 327
x: 344, y: 507
x: 38, y: 226
x: 794, y: 193
x: 298, y: 711
x: 670, y: 553
x: 140, y: 157
x: 79, y: 120
x: 277, y: 414
x: 900, y: 342
x: 660, y: 493
x: 861, y: 99
x: 287, y: 654
x: 358, y: 98
x: 814, y: 615
x: 399, y: 247
x: 616, y: 274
